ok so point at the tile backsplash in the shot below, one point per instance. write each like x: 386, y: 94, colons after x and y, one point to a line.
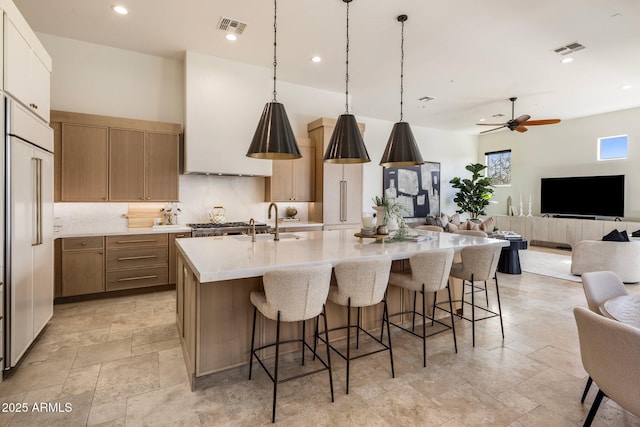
x: 242, y: 198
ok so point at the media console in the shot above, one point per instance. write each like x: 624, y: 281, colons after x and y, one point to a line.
x: 561, y: 231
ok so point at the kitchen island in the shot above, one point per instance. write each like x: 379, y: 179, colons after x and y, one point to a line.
x: 217, y: 274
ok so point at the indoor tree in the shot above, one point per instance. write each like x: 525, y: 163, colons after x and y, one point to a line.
x: 474, y: 194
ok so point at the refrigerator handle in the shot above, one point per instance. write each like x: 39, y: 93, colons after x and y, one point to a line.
x: 37, y: 166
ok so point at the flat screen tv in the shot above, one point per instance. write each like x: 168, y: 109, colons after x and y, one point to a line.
x: 583, y: 196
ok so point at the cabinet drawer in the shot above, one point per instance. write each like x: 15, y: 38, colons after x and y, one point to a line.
x: 134, y: 240
x: 79, y: 243
x: 136, y: 257
x: 136, y: 278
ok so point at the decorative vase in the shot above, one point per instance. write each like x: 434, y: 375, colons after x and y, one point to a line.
x: 379, y: 214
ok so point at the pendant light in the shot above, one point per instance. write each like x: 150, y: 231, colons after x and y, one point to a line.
x: 346, y: 144
x: 274, y: 138
x: 401, y: 149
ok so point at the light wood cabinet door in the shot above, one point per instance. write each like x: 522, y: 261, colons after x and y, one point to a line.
x: 126, y: 165
x: 161, y: 167
x: 303, y: 175
x: 82, y: 272
x: 353, y: 194
x: 84, y: 163
x: 279, y: 183
x: 173, y: 256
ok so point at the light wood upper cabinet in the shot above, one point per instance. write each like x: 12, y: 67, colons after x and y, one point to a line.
x: 126, y: 160
x: 293, y: 180
x: 26, y: 76
x: 100, y: 158
x: 84, y: 160
x: 161, y: 166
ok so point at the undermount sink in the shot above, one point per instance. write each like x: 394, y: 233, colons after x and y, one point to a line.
x: 283, y: 236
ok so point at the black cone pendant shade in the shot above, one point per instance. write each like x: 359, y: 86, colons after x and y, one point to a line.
x: 274, y: 138
x: 346, y: 144
x: 402, y: 149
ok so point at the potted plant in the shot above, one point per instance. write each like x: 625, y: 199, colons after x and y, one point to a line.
x: 390, y: 214
x: 474, y: 194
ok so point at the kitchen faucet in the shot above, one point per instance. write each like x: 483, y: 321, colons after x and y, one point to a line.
x: 277, y: 236
x: 252, y: 223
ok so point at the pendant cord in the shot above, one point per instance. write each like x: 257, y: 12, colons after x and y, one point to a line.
x: 346, y: 80
x: 275, y: 38
x: 401, y: 69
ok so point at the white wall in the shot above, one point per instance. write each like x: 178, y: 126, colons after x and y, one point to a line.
x: 96, y: 79
x: 566, y: 149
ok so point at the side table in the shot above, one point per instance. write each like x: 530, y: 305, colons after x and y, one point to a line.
x: 509, y: 262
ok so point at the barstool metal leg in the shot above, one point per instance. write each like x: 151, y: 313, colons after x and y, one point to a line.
x: 499, y: 306
x: 358, y: 328
x: 433, y: 311
x: 326, y: 336
x: 304, y: 322
x: 386, y: 316
x: 413, y: 322
x: 275, y: 373
x: 315, y: 338
x: 424, y: 329
x: 253, y: 337
x: 473, y: 313
x: 453, y: 326
x: 586, y: 389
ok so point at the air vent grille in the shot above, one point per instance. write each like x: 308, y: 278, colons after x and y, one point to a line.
x: 426, y: 99
x: 231, y: 25
x: 568, y: 48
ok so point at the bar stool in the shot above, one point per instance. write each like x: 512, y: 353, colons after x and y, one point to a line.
x: 478, y: 264
x: 429, y: 273
x: 291, y: 295
x: 361, y: 283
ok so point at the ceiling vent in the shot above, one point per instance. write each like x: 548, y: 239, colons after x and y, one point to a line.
x: 569, y: 48
x: 426, y: 99
x: 231, y: 25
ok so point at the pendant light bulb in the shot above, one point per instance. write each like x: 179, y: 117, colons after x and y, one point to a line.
x: 346, y: 145
x: 401, y: 149
x: 274, y: 139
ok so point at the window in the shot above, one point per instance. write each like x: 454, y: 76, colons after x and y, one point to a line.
x: 499, y: 167
x: 612, y: 147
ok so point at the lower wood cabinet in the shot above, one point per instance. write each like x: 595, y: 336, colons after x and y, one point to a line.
x: 82, y: 269
x: 91, y: 265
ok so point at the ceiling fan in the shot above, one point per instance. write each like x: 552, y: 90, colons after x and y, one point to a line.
x: 518, y: 123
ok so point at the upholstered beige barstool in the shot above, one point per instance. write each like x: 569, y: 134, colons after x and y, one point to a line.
x: 429, y: 273
x: 361, y: 283
x: 478, y: 264
x: 291, y: 295
x: 598, y: 287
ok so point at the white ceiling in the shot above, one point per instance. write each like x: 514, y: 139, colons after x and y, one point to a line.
x: 469, y: 55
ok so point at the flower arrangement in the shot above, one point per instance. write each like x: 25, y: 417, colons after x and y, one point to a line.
x: 393, y: 212
x: 170, y: 212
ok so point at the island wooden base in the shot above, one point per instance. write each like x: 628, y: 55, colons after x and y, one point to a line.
x: 214, y: 322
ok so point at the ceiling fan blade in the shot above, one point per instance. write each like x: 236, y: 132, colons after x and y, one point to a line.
x: 491, y: 130
x: 521, y: 129
x: 491, y: 124
x: 540, y: 122
x: 523, y: 118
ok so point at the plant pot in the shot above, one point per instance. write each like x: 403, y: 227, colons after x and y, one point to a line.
x: 379, y: 214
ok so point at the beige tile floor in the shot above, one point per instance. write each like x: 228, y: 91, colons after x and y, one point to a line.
x: 118, y: 362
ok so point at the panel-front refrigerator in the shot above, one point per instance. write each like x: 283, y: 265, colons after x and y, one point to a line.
x: 28, y: 229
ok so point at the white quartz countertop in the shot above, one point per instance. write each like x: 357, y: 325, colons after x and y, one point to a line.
x: 235, y: 257
x: 116, y: 231
x: 295, y: 224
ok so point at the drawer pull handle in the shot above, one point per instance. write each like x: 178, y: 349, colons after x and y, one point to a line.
x: 179, y: 235
x: 121, y: 242
x: 128, y: 258
x: 128, y: 279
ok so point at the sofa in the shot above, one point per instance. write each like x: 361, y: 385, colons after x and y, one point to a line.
x: 623, y: 258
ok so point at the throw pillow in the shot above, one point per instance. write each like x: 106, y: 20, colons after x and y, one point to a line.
x: 487, y: 225
x: 616, y: 236
x: 431, y: 220
x: 635, y: 233
x: 455, y: 219
x: 451, y: 227
x: 473, y: 225
x: 444, y: 220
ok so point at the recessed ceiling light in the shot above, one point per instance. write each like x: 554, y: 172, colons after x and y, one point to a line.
x: 316, y: 59
x: 120, y: 10
x: 626, y: 87
x: 567, y: 60
x: 482, y: 120
x: 231, y: 37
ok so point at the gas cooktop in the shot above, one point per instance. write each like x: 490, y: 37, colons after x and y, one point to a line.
x: 211, y: 229
x: 223, y: 225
